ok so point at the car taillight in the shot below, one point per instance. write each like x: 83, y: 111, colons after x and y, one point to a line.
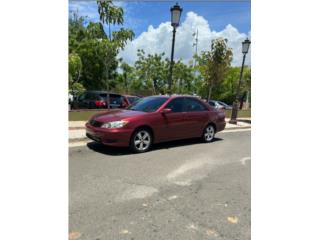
x: 100, y: 103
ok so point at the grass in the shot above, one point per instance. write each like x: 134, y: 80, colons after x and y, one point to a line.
x: 241, y: 113
x: 85, y: 115
x: 82, y: 115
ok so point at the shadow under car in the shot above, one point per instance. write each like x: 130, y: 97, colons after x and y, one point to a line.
x: 117, y: 151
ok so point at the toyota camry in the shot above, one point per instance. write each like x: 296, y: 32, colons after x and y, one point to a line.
x: 156, y: 119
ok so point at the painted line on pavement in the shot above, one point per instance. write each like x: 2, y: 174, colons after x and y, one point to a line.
x: 235, y: 130
x: 243, y: 160
x: 78, y: 144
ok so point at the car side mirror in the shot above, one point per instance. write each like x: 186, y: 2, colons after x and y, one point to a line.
x: 166, y: 110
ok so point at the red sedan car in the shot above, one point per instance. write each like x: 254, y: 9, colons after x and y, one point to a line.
x: 156, y: 119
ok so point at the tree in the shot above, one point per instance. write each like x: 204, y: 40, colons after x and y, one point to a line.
x: 75, y: 68
x: 125, y: 79
x: 183, y: 77
x: 152, y: 71
x: 245, y: 85
x: 109, y: 13
x: 97, y: 51
x: 214, y: 64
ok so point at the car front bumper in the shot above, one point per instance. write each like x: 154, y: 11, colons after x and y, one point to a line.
x: 112, y: 137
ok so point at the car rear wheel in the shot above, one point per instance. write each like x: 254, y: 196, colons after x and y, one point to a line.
x: 208, y: 133
x: 141, y: 141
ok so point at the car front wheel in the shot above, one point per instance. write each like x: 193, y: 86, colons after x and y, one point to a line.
x: 208, y: 133
x: 141, y: 141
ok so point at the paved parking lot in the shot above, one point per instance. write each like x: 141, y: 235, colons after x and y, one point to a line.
x: 179, y: 190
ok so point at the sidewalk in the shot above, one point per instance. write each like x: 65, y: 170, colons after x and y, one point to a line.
x: 77, y: 130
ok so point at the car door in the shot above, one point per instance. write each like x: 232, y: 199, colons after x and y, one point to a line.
x: 115, y: 101
x: 173, y: 126
x: 196, y: 116
x: 80, y: 100
x: 88, y: 101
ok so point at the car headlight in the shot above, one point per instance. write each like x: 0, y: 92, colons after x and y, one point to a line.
x: 115, y: 124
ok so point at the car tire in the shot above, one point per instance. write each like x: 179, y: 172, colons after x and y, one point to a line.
x: 141, y: 140
x: 208, y: 133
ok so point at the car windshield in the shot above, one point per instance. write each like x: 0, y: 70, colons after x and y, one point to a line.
x: 223, y: 104
x: 148, y: 104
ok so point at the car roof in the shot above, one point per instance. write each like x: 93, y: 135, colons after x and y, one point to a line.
x: 130, y: 95
x: 98, y: 92
x: 174, y: 96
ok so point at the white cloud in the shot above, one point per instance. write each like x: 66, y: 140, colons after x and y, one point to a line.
x: 157, y: 40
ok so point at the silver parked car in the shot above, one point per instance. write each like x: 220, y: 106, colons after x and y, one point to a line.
x: 219, y: 104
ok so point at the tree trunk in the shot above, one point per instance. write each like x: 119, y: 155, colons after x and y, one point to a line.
x: 242, y: 100
x: 126, y: 83
x: 247, y: 100
x: 154, y: 86
x: 209, y: 93
x: 108, y: 96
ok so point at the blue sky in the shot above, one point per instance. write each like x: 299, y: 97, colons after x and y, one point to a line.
x: 231, y: 20
x: 139, y: 15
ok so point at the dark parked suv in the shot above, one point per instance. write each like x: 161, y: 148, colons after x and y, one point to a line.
x: 97, y: 99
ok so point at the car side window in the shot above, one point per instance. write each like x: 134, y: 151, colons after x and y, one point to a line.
x: 82, y: 97
x: 213, y: 104
x: 91, y: 96
x: 176, y: 105
x: 193, y: 105
x: 115, y: 99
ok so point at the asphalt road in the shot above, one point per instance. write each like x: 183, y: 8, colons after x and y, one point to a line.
x: 181, y: 190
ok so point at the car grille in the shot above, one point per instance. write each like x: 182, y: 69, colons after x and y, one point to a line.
x: 95, y: 123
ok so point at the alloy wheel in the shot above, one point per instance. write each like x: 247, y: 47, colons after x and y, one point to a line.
x: 142, y: 140
x: 209, y: 133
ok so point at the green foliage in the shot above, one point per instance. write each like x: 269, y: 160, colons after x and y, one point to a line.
x: 110, y: 14
x: 214, y: 64
x: 183, y: 78
x: 122, y: 36
x: 99, y: 59
x: 97, y: 51
x: 78, y: 88
x: 75, y: 67
x: 125, y: 79
x: 152, y: 71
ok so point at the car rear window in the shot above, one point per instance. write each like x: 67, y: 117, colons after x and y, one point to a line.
x: 114, y: 98
x: 193, y: 105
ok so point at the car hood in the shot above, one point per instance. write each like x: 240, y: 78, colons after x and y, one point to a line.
x: 116, y: 115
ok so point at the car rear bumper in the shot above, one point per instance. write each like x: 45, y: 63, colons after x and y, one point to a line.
x: 220, y: 126
x: 112, y: 137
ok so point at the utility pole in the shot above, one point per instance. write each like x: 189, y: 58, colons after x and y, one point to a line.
x: 195, y: 44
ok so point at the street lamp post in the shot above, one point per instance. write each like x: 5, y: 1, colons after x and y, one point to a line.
x: 245, y: 48
x: 175, y: 19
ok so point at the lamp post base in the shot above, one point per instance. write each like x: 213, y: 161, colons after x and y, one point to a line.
x: 233, y: 121
x: 234, y: 113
